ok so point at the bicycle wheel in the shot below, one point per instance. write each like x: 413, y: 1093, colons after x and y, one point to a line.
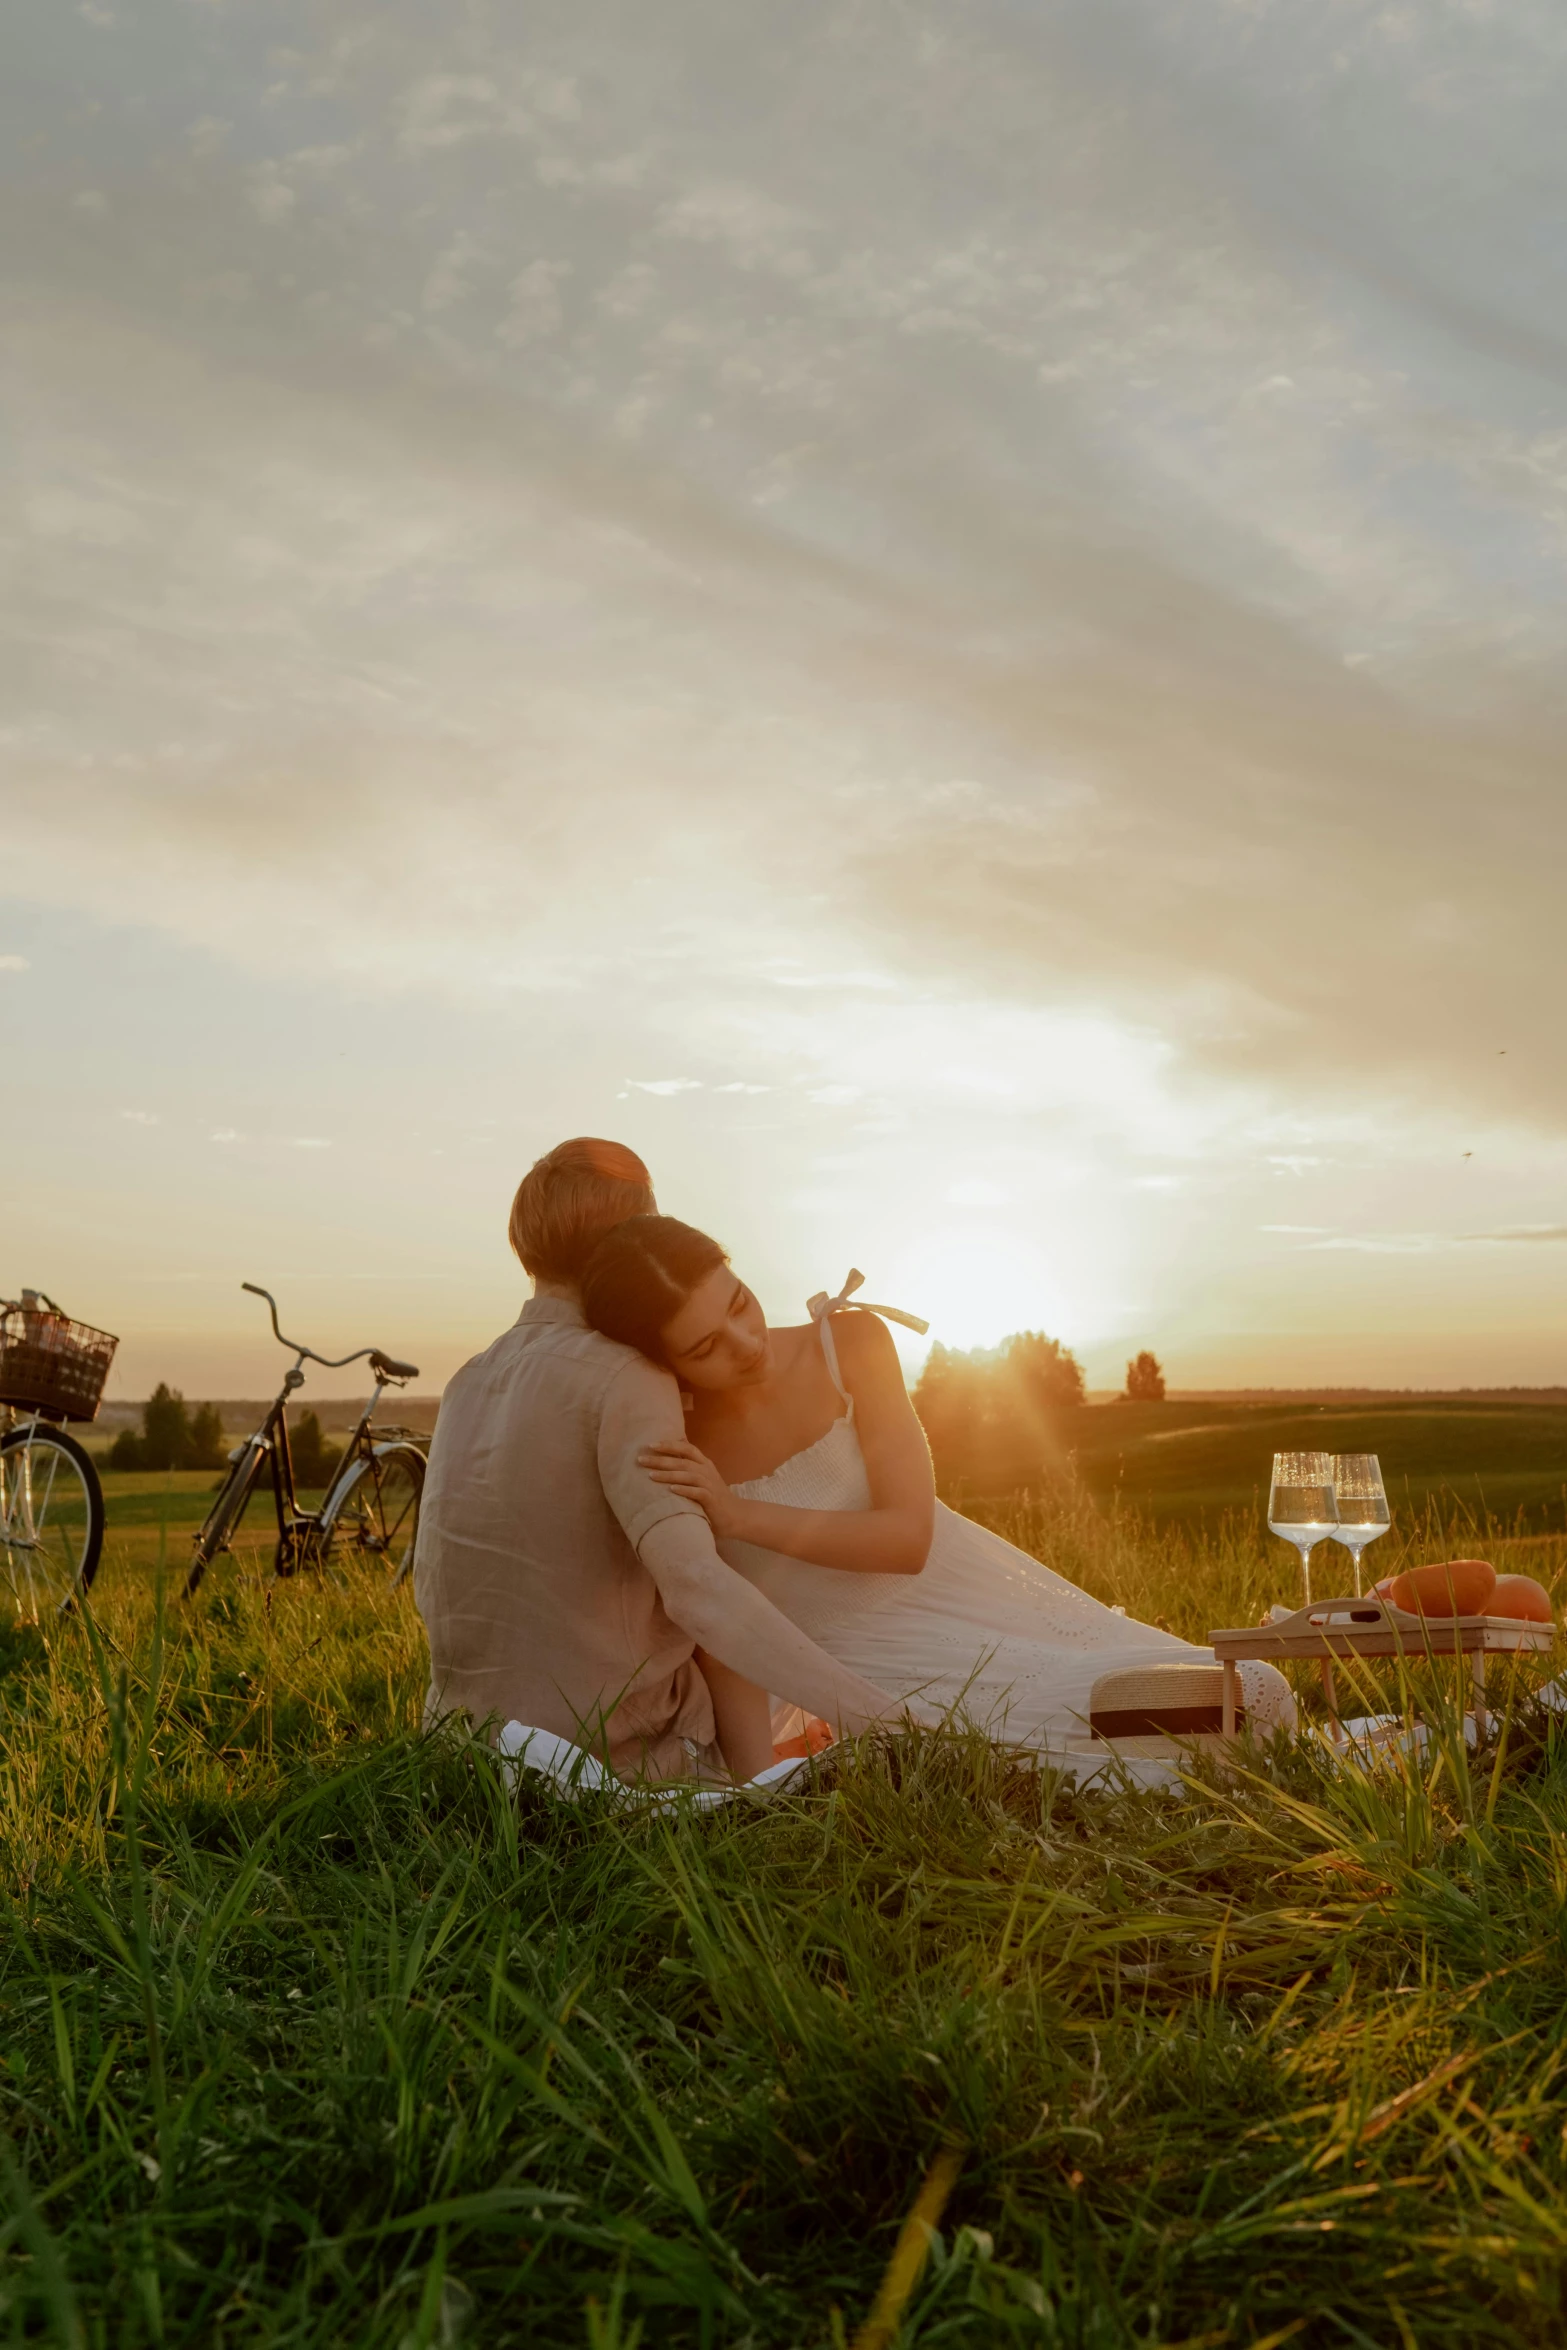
x: 373, y: 1519
x: 51, y: 1518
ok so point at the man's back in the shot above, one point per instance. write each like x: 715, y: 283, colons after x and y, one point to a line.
x: 536, y: 1603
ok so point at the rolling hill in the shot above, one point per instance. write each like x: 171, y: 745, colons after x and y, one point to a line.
x: 1197, y: 1458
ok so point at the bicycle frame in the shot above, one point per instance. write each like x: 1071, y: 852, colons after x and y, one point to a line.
x: 356, y: 1451
x: 295, y: 1527
x: 269, y: 1442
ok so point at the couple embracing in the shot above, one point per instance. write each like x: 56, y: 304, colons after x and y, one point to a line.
x: 659, y: 1528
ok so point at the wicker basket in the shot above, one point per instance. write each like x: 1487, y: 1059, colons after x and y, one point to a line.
x: 48, y: 1363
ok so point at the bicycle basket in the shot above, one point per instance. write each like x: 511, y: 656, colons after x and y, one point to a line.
x: 48, y: 1363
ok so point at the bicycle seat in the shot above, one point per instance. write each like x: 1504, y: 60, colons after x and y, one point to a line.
x: 384, y: 1367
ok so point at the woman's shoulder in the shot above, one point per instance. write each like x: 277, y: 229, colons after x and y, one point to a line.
x: 865, y: 1348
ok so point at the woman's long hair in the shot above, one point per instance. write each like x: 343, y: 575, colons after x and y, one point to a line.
x: 640, y: 1275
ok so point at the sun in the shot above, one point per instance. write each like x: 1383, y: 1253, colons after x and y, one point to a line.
x: 975, y: 1287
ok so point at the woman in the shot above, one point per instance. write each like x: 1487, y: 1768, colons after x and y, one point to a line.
x: 805, y: 1453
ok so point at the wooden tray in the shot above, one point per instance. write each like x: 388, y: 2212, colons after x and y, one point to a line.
x: 1369, y: 1626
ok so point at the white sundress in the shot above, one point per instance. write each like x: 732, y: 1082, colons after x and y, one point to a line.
x: 983, y: 1627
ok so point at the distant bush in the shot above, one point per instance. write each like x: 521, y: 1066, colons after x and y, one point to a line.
x: 315, y: 1461
x: 996, y: 1410
x: 1144, y: 1380
x: 171, y: 1436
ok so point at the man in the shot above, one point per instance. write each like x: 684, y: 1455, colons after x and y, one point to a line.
x: 559, y: 1584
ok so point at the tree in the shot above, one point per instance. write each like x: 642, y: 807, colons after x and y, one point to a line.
x: 1144, y: 1380
x: 314, y: 1459
x: 126, y: 1451
x: 950, y: 1398
x: 993, y: 1413
x: 170, y: 1438
x: 207, y: 1449
x: 165, y: 1429
x: 1045, y: 1375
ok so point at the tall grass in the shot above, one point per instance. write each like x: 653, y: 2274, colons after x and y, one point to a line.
x: 314, y: 2035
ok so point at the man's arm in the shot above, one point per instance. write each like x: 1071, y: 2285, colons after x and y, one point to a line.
x: 724, y: 1613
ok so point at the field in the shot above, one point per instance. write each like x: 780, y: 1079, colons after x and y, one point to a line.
x: 1498, y: 1462
x: 1494, y: 1463
x: 313, y: 2036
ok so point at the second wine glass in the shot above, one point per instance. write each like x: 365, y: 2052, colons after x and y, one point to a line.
x: 1361, y: 1500
x: 1300, y: 1503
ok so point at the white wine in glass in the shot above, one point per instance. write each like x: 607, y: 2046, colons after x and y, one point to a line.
x: 1300, y: 1504
x: 1361, y: 1500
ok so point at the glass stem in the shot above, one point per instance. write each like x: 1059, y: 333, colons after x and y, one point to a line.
x: 1306, y: 1549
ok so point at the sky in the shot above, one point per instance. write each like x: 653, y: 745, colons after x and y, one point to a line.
x: 949, y: 618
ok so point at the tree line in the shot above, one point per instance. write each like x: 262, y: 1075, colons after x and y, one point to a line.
x: 991, y: 1413
x: 175, y: 1436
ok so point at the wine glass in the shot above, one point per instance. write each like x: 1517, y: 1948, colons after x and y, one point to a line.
x: 1300, y: 1504
x: 1361, y: 1497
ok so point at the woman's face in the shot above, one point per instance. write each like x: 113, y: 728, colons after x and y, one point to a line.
x: 719, y: 1337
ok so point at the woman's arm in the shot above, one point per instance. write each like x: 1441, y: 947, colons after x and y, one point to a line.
x: 742, y: 1716
x: 893, y: 1536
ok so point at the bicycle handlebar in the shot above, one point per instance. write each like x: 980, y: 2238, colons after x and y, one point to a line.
x: 306, y: 1354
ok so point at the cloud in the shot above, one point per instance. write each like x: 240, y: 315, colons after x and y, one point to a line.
x: 446, y: 110
x: 208, y: 136
x: 667, y: 527
x: 976, y: 1191
x: 1385, y: 1244
x: 454, y: 273
x: 272, y: 199
x: 534, y: 307
x: 749, y: 227
x: 875, y: 980
x: 1522, y: 1232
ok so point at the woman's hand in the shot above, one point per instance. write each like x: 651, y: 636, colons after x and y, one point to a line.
x: 686, y: 1470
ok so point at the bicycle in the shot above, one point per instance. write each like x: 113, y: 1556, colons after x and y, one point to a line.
x: 51, y: 1503
x: 371, y: 1509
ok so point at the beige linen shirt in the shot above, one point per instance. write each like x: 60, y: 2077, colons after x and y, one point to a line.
x: 526, y: 1571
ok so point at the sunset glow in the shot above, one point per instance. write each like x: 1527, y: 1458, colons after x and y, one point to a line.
x: 1010, y: 740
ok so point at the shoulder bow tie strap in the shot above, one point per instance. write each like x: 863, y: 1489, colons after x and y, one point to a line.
x: 821, y: 1309
x: 821, y: 1305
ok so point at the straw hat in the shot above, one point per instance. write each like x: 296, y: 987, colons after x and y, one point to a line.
x: 1163, y: 1701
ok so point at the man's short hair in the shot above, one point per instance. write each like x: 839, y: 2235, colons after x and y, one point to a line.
x: 570, y: 1198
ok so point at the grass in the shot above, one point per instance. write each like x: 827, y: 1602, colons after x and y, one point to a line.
x: 1484, y: 1463
x: 312, y: 2035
